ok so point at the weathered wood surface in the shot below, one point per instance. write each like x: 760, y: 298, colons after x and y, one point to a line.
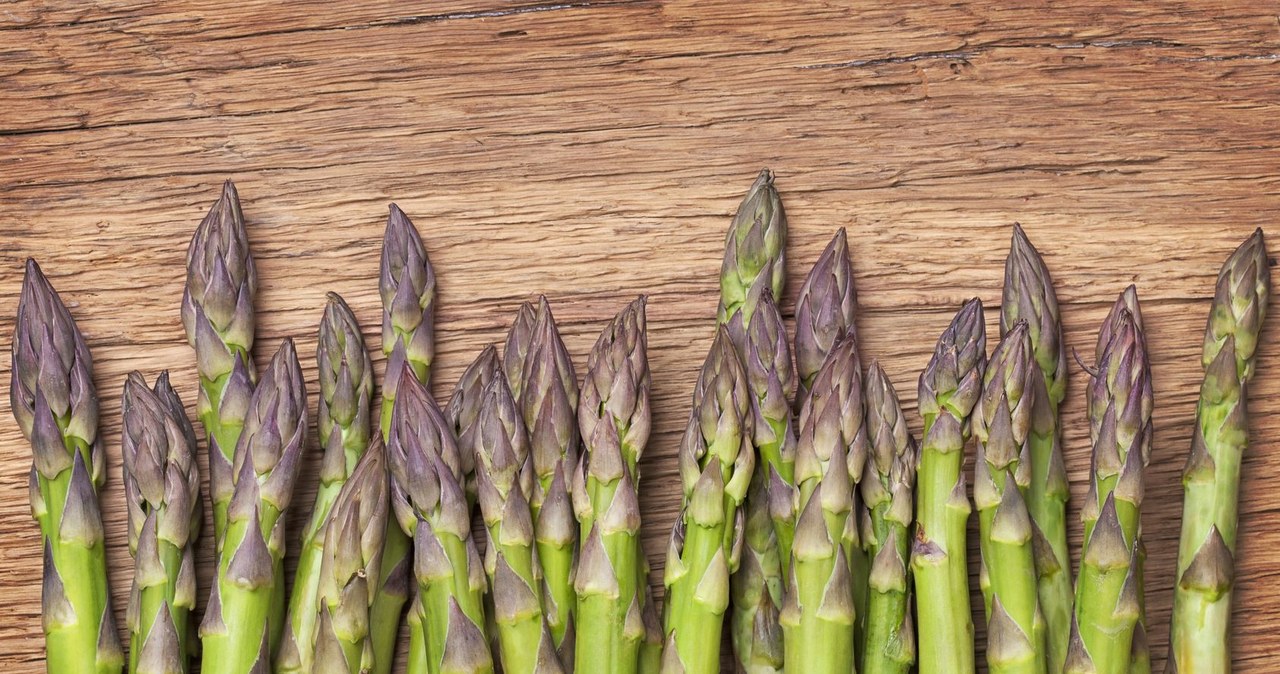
x: 592, y: 151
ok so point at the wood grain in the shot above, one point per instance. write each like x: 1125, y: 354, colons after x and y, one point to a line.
x: 593, y: 151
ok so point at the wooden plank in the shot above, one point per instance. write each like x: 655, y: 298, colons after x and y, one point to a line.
x: 594, y: 151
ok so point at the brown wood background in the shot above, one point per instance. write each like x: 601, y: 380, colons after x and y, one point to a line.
x: 592, y: 151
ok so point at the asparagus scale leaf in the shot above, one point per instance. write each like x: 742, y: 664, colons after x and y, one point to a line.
x: 346, y: 392
x: 611, y: 580
x: 55, y: 404
x: 217, y: 313
x: 1201, y: 624
x: 715, y: 462
x: 820, y: 608
x: 243, y: 621
x: 949, y: 390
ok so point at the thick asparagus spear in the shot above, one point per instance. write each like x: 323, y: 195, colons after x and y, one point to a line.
x: 55, y: 404
x: 761, y: 341
x: 886, y: 488
x: 407, y: 284
x: 1200, y: 630
x: 217, y: 313
x: 430, y: 506
x: 948, y: 391
x: 1120, y: 405
x: 820, y: 608
x: 241, y: 625
x: 1029, y: 295
x: 1004, y: 419
x: 549, y: 401
x: 346, y: 391
x: 349, y: 563
x: 824, y: 311
x: 517, y: 347
x: 162, y: 493
x: 613, y: 418
x: 504, y: 478
x: 755, y: 247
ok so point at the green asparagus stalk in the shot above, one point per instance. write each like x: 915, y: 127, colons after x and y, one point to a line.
x: 1120, y: 405
x: 755, y: 247
x: 431, y: 508
x: 1200, y: 630
x: 504, y: 478
x: 820, y: 608
x: 517, y: 347
x: 1004, y: 419
x: 349, y: 563
x: 241, y: 625
x: 217, y: 313
x: 1029, y: 295
x: 613, y: 418
x: 549, y: 401
x: 464, y: 407
x: 55, y: 404
x: 761, y: 340
x: 886, y: 488
x: 824, y: 311
x: 346, y: 389
x: 162, y: 493
x: 949, y: 390
x: 407, y: 284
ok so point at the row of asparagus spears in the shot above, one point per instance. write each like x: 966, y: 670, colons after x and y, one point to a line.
x: 810, y: 515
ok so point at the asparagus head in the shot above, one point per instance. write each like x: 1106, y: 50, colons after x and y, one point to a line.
x: 824, y: 311
x: 755, y: 247
x: 517, y: 347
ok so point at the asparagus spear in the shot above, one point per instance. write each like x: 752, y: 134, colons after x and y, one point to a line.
x: 464, y: 408
x: 613, y: 418
x: 549, y: 401
x: 504, y: 478
x: 761, y: 340
x: 886, y: 487
x: 217, y: 313
x: 1200, y: 629
x: 346, y: 389
x: 820, y: 608
x: 407, y: 284
x: 55, y: 404
x: 349, y: 562
x: 949, y: 390
x: 430, y: 507
x: 1006, y: 416
x: 162, y: 494
x: 824, y: 310
x: 1028, y: 294
x: 755, y: 246
x: 1120, y: 405
x: 241, y: 625
x: 517, y: 347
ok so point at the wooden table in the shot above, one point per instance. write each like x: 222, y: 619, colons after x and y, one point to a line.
x: 592, y: 151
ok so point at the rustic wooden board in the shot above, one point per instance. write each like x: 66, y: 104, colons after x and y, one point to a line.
x: 592, y: 151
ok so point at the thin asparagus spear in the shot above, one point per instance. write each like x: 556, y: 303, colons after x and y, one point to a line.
x: 886, y: 488
x: 517, y: 347
x: 241, y: 624
x: 1201, y: 625
x: 824, y: 311
x: 162, y: 493
x: 1029, y: 295
x: 55, y: 404
x: 549, y: 402
x: 349, y: 563
x: 217, y: 313
x: 1120, y: 405
x: 755, y: 246
x: 1004, y: 419
x: 346, y: 389
x: 430, y: 506
x: 613, y: 418
x: 819, y: 612
x: 949, y: 390
x: 761, y: 340
x: 407, y: 284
